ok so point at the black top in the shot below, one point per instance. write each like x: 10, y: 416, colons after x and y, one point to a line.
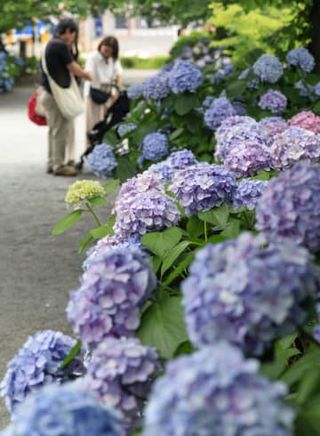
x: 58, y: 56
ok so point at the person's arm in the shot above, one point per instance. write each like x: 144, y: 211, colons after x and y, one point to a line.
x: 76, y: 70
x: 118, y: 71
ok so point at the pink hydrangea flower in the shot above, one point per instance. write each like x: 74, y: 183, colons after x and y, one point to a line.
x: 307, y: 120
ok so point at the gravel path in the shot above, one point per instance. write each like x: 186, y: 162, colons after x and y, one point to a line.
x: 37, y: 271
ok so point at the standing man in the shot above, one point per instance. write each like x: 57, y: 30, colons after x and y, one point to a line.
x: 60, y: 65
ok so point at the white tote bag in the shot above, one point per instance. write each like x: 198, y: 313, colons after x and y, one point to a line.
x: 69, y: 100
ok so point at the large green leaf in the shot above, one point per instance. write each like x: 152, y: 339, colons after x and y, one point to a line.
x: 179, y: 269
x: 66, y: 223
x: 185, y: 103
x: 111, y: 186
x: 195, y: 227
x: 308, y: 421
x: 217, y: 216
x: 162, y: 326
x: 160, y: 243
x: 104, y: 230
x: 97, y: 201
x: 125, y: 169
x: 85, y: 242
x: 173, y: 255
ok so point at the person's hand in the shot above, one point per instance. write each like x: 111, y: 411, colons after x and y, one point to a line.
x: 87, y: 76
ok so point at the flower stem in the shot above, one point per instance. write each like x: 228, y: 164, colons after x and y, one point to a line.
x: 94, y: 215
x: 205, y: 231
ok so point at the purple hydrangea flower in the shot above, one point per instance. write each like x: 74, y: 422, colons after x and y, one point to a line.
x: 155, y: 146
x: 215, y: 391
x: 302, y: 58
x: 229, y: 122
x: 220, y: 109
x: 222, y: 73
x: 157, y: 87
x: 124, y: 129
x: 102, y: 160
x: 274, y: 101
x: 290, y: 206
x: 65, y: 410
x: 113, y: 289
x: 248, y: 193
x: 202, y: 186
x: 268, y: 68
x: 107, y: 243
x: 175, y: 161
x: 316, y: 329
x: 135, y: 91
x: 292, y: 145
x: 247, y: 158
x: 184, y: 77
x: 304, y: 89
x: 37, y: 363
x: 273, y: 125
x: 232, y: 292
x: 120, y: 373
x: 142, y: 206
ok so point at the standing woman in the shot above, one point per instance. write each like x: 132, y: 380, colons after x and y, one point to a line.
x: 106, y: 71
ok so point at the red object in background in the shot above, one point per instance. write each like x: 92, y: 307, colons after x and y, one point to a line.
x: 32, y: 114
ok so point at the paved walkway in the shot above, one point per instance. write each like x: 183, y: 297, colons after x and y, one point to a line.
x: 37, y: 271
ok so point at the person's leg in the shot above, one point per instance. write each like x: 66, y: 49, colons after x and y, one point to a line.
x: 70, y: 154
x: 59, y: 128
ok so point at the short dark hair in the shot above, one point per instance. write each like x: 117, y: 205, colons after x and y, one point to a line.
x: 112, y: 42
x: 66, y: 24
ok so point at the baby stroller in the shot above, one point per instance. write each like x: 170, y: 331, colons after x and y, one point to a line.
x: 114, y: 115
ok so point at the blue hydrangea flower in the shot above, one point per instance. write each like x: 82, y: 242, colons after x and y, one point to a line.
x: 184, y: 77
x: 305, y: 90
x: 113, y: 289
x: 65, y: 410
x: 292, y: 145
x: 268, y: 68
x: 37, y: 363
x: 220, y: 109
x: 155, y: 146
x: 175, y: 161
x: 142, y: 206
x: 217, y: 392
x: 248, y: 193
x: 290, y: 206
x: 222, y: 73
x: 102, y: 160
x: 157, y: 87
x: 232, y: 292
x: 316, y: 89
x: 202, y: 186
x: 274, y: 101
x: 239, y: 107
x: 302, y: 58
x: 124, y: 129
x: 120, y: 373
x: 135, y: 91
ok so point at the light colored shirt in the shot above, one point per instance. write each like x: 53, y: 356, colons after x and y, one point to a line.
x: 104, y: 72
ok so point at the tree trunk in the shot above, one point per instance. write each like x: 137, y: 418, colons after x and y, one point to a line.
x: 314, y: 46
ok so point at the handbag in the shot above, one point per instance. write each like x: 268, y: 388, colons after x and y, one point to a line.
x: 98, y: 96
x: 33, y: 114
x: 69, y: 100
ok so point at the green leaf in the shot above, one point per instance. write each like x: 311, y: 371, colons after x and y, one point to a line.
x: 125, y: 169
x: 307, y: 362
x: 218, y: 216
x: 160, y: 243
x: 185, y: 103
x: 85, y: 242
x: 274, y: 369
x: 308, y: 421
x: 316, y: 108
x: 156, y: 262
x: 111, y: 186
x: 173, y: 255
x: 182, y: 266
x: 97, y: 201
x: 309, y: 385
x: 73, y: 353
x: 104, y: 230
x: 174, y: 135
x: 67, y: 222
x: 162, y: 326
x: 195, y: 227
x: 232, y: 229
x: 184, y: 348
